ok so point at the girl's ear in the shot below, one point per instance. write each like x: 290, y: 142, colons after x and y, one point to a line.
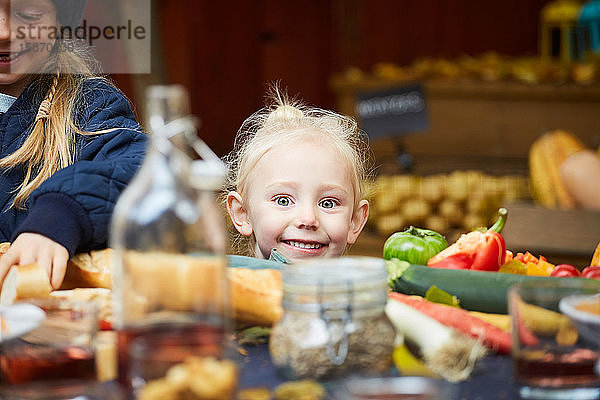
x: 359, y: 219
x: 238, y: 214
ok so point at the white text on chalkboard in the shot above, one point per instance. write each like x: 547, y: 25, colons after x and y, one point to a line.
x: 410, y: 102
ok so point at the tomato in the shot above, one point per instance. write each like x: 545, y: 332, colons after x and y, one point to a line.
x: 414, y: 245
x: 591, y: 272
x: 565, y: 271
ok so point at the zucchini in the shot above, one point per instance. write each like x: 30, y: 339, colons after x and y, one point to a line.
x: 477, y: 290
x: 234, y: 261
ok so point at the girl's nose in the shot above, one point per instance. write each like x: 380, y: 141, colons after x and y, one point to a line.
x: 307, y: 218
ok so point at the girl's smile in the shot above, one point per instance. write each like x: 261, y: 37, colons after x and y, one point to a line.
x: 307, y: 247
x: 11, y: 57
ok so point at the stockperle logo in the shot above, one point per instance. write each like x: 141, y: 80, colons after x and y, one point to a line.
x: 117, y: 33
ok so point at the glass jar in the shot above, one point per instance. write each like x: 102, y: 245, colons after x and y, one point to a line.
x: 168, y: 236
x: 334, y: 323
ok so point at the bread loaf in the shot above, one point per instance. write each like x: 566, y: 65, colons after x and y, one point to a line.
x: 162, y: 280
x: 177, y: 281
x: 255, y: 295
x: 84, y: 270
x: 24, y: 282
x: 89, y: 270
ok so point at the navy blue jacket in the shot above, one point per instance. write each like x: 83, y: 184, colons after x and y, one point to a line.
x: 74, y: 206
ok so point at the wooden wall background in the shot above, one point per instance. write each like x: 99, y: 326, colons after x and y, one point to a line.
x: 226, y: 53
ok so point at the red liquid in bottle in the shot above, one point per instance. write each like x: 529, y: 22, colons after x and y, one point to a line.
x: 165, y: 345
x: 34, y: 363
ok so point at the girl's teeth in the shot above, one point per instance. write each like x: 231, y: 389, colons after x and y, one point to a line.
x: 8, y: 57
x: 305, y: 245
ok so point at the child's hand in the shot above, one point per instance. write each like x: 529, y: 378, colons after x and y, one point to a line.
x: 33, y: 247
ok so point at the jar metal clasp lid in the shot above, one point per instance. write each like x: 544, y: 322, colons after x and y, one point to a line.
x: 337, y: 357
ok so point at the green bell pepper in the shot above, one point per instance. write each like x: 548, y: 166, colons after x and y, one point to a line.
x: 414, y: 245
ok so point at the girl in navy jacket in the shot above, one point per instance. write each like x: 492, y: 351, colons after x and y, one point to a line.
x: 69, y: 142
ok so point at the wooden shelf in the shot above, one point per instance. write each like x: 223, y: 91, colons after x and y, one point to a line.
x: 560, y: 232
x: 487, y: 119
x: 498, y: 90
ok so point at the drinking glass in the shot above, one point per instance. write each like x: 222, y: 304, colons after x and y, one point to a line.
x: 59, y: 347
x: 555, y: 344
x: 169, y: 362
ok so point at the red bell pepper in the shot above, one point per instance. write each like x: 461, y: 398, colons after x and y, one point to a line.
x: 455, y: 261
x: 484, y: 251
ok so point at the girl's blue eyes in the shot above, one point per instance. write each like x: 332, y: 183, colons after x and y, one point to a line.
x: 328, y: 203
x: 283, y: 201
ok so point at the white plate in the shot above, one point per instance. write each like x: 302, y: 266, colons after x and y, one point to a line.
x: 18, y: 319
x: 588, y: 323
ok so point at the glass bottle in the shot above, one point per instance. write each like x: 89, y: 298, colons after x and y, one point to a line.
x: 334, y: 322
x: 168, y: 236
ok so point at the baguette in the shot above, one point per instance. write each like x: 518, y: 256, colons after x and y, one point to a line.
x: 89, y: 270
x: 176, y: 281
x: 255, y: 294
x: 25, y: 282
x: 84, y: 270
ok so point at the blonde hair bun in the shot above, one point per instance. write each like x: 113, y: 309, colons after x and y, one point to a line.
x: 284, y: 112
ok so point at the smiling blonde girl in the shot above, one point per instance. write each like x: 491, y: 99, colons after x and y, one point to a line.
x: 296, y: 181
x: 69, y: 140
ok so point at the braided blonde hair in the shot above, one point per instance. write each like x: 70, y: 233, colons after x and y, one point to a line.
x: 51, y: 144
x: 286, y: 120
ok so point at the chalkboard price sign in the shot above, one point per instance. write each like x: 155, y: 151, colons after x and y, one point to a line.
x: 395, y: 111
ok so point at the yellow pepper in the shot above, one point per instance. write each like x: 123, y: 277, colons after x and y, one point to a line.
x: 542, y: 268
